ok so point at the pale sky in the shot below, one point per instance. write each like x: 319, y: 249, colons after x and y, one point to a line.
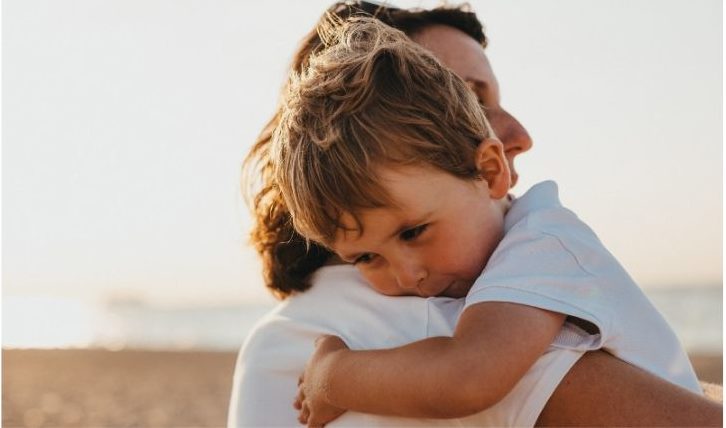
x: 125, y: 122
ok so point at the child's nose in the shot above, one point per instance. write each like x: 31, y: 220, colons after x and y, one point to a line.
x: 410, y: 276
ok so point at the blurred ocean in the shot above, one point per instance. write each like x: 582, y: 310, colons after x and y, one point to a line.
x: 40, y: 322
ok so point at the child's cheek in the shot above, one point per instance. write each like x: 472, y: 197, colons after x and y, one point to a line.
x: 466, y: 253
x: 455, y: 258
x: 381, y: 282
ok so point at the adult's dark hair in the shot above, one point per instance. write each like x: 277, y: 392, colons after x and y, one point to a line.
x: 288, y: 259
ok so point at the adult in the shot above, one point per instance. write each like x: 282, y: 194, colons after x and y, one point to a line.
x: 564, y: 387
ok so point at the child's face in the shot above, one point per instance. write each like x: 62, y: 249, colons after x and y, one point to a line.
x: 435, y: 242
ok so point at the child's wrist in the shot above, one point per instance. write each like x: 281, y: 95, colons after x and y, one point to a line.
x: 334, y: 372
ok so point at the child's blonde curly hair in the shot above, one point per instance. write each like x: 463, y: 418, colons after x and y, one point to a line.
x: 372, y: 97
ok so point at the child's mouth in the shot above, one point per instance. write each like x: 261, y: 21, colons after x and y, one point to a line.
x: 457, y: 289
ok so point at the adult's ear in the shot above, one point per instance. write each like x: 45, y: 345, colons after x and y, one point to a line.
x: 493, y: 166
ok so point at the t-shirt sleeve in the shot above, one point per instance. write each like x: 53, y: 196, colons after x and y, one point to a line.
x: 541, y: 269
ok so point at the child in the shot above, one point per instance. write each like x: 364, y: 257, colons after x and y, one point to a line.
x: 385, y: 157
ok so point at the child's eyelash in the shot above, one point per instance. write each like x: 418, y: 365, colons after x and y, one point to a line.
x: 363, y: 259
x: 413, y: 233
x: 406, y: 235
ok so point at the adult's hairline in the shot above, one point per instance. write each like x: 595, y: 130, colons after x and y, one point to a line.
x: 460, y: 17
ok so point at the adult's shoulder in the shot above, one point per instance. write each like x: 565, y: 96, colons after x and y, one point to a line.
x: 276, y: 350
x: 340, y: 302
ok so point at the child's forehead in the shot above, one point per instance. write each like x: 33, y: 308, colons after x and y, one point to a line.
x: 404, y: 187
x: 399, y: 179
x: 414, y: 187
x: 352, y: 223
x: 414, y: 194
x: 413, y: 191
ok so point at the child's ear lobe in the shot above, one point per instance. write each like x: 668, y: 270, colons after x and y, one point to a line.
x: 493, y: 166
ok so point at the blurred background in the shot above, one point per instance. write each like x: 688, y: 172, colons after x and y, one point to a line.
x: 125, y: 123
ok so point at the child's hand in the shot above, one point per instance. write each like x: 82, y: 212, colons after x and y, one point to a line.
x: 315, y: 411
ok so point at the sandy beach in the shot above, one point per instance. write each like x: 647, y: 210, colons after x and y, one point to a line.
x: 99, y: 388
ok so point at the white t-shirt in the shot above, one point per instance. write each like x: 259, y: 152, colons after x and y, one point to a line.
x: 551, y: 260
x: 340, y: 302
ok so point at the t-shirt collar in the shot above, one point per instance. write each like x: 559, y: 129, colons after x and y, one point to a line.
x: 541, y: 196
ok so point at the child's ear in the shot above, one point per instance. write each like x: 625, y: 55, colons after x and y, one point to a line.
x: 493, y: 166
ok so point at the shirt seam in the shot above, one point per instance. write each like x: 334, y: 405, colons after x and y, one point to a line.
x: 544, y: 296
x: 570, y: 252
x: 527, y: 221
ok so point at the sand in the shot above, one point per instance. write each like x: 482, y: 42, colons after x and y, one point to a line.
x: 92, y: 388
x: 98, y: 388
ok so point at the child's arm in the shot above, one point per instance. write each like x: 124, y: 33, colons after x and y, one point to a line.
x: 494, y: 345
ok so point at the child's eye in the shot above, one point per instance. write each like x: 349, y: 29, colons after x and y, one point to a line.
x: 413, y: 233
x: 364, y: 258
